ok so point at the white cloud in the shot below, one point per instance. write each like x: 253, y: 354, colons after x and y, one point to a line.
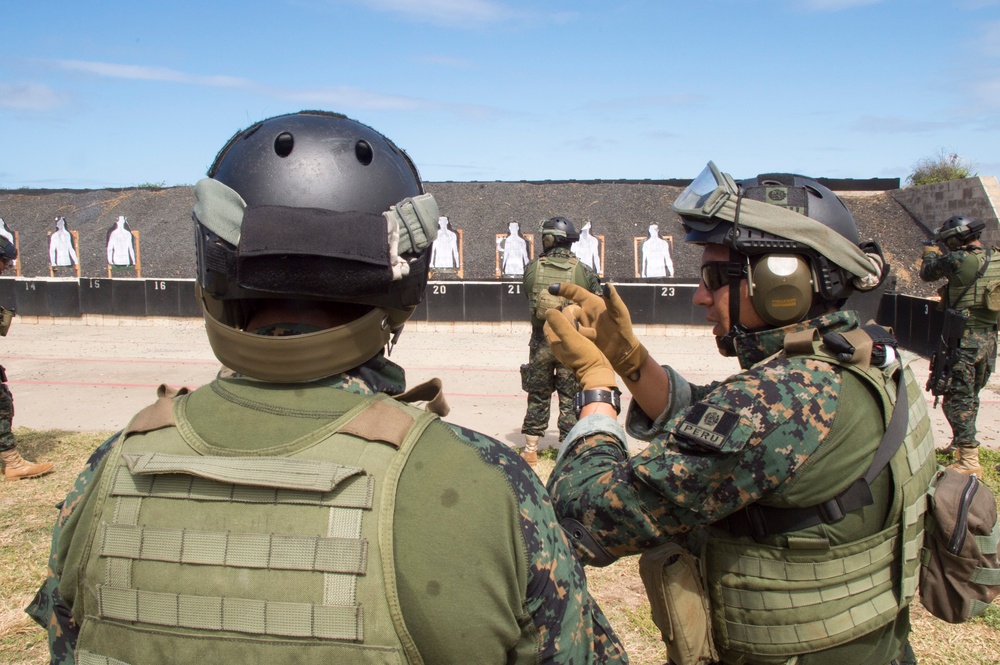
x: 354, y: 97
x: 28, y: 96
x: 977, y: 4
x: 459, y: 13
x: 832, y: 5
x: 445, y: 61
x: 478, y: 11
x: 987, y: 92
x: 897, y: 125
x: 652, y: 101
x: 989, y: 44
x: 142, y: 73
x: 338, y: 96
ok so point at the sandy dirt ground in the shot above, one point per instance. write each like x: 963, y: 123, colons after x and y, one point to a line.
x: 93, y: 375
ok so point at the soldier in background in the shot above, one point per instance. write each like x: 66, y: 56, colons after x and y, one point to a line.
x: 761, y: 494
x: 15, y: 467
x: 971, y: 270
x: 543, y: 374
x: 297, y: 509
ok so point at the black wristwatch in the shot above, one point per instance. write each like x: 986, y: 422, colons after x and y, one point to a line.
x: 585, y: 397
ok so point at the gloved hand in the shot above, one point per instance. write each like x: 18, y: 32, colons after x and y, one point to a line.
x: 930, y: 247
x: 576, y: 352
x: 606, y: 322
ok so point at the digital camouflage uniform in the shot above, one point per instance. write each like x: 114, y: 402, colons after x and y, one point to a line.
x: 760, y: 436
x: 976, y: 357
x: 6, y: 414
x: 523, y: 602
x: 543, y: 374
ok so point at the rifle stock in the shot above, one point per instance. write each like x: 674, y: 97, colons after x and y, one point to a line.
x: 945, y: 354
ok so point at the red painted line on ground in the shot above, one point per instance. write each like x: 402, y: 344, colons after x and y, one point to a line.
x: 86, y: 384
x: 105, y: 360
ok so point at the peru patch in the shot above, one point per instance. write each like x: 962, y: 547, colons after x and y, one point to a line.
x: 708, y: 425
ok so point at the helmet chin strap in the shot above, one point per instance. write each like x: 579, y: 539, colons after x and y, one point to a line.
x: 736, y: 271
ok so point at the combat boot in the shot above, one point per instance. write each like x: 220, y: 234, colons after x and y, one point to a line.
x: 530, y: 452
x: 967, y: 462
x: 16, y: 467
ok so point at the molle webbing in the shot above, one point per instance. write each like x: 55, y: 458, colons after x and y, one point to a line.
x: 292, y: 548
x: 353, y: 492
x: 551, y: 269
x: 123, y: 541
x: 777, y: 601
x: 971, y: 295
x: 87, y: 658
x: 845, y: 595
x: 239, y: 615
x: 279, y: 472
x: 224, y: 548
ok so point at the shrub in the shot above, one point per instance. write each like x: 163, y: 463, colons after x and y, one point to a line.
x: 942, y: 168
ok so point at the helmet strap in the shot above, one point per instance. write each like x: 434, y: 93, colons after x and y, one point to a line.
x: 737, y: 271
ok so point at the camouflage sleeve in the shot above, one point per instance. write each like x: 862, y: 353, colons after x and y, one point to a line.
x: 49, y: 608
x: 742, y: 441
x: 528, y: 279
x: 935, y: 265
x: 593, y: 280
x: 571, y: 626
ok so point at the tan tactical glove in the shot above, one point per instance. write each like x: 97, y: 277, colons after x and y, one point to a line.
x: 930, y: 248
x: 577, y: 353
x: 606, y: 322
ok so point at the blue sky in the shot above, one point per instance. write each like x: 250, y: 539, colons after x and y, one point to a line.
x: 116, y: 94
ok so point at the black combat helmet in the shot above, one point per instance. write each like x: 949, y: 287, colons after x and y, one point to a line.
x: 958, y: 231
x: 311, y: 206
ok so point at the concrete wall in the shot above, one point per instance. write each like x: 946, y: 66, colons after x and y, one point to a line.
x: 977, y: 197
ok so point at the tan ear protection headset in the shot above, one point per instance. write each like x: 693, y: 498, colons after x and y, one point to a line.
x: 781, y: 287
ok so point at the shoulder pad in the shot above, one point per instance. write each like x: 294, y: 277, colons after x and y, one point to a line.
x: 159, y: 414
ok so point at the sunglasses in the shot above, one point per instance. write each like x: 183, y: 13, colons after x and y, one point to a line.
x: 716, y: 274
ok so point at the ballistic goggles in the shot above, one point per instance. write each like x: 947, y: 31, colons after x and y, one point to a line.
x: 714, y: 197
x: 716, y: 274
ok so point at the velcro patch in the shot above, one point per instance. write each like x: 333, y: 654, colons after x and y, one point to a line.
x: 708, y: 426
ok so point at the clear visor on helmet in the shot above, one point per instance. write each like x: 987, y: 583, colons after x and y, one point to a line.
x: 706, y: 194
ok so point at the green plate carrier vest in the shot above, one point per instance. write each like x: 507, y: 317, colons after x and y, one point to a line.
x: 251, y: 558
x: 552, y: 269
x: 974, y: 296
x: 775, y: 602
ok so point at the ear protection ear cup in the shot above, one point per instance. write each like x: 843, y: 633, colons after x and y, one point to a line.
x: 781, y: 287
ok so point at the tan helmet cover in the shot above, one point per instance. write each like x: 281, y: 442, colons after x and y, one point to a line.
x: 300, y: 358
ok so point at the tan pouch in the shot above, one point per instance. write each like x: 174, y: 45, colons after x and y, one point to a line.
x: 991, y: 296
x: 6, y: 316
x: 679, y: 604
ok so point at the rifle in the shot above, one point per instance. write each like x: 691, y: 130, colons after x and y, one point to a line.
x: 945, y: 355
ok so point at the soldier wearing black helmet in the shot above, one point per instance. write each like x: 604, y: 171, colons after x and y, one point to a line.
x: 973, y: 274
x: 14, y: 466
x: 543, y: 374
x: 777, y: 512
x: 298, y: 509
